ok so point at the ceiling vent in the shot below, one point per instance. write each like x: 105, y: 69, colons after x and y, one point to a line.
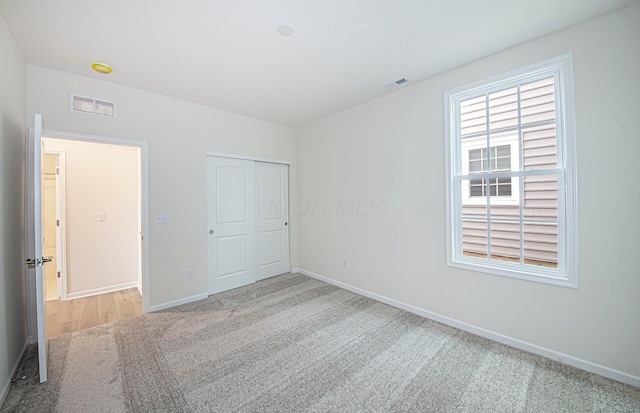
x: 92, y: 106
x: 396, y: 83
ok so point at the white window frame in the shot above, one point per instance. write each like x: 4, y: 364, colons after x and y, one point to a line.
x: 481, y: 142
x: 566, y: 273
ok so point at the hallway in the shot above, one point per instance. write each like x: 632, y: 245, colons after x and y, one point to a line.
x: 82, y: 313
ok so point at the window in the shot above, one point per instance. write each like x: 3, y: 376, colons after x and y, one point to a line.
x: 475, y: 161
x: 478, y: 159
x: 511, y: 195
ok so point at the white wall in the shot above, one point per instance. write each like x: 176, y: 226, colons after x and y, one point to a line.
x: 100, y: 178
x: 178, y: 134
x: 392, y: 150
x: 13, y: 329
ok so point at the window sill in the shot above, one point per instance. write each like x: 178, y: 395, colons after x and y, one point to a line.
x: 541, y: 275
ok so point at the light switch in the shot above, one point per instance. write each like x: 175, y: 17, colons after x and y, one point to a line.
x: 102, y: 216
x: 161, y: 218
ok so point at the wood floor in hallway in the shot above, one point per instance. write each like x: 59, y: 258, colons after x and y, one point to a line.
x: 74, y: 315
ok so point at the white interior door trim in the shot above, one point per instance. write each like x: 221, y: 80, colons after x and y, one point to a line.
x: 248, y: 158
x: 61, y: 201
x: 144, y: 172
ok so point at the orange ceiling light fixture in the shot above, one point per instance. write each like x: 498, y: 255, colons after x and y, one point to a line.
x: 103, y: 68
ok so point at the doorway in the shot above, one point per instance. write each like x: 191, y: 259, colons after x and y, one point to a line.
x: 101, y: 255
x: 36, y: 298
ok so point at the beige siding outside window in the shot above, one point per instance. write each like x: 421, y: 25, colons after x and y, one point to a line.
x: 537, y: 102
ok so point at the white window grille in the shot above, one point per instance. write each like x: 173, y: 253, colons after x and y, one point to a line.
x: 511, y: 183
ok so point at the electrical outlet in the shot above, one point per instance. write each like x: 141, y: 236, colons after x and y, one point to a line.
x: 189, y: 273
x: 161, y: 218
x: 344, y: 263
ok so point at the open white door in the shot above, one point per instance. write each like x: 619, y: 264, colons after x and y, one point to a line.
x: 231, y: 215
x: 38, y: 260
x: 272, y: 184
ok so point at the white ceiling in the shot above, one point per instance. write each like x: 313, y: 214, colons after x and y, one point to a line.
x: 228, y: 54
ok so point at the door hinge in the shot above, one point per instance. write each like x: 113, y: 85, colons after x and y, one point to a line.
x: 57, y: 171
x: 58, y: 274
x: 57, y: 222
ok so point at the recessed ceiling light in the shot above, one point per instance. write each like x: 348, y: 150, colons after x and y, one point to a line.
x: 103, y: 68
x: 285, y: 30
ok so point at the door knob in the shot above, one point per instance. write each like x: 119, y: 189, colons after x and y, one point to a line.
x: 32, y: 263
x: 286, y: 223
x: 210, y: 231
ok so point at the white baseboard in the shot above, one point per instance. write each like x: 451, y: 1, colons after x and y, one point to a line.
x: 519, y: 344
x: 12, y: 372
x: 103, y: 290
x: 176, y: 303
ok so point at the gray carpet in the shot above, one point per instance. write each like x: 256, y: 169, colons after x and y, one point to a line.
x: 295, y: 344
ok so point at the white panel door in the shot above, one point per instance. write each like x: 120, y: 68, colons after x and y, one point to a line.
x: 37, y: 261
x: 272, y: 192
x: 231, y: 216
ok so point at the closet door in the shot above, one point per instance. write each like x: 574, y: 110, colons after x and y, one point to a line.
x: 232, y: 225
x: 272, y: 192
